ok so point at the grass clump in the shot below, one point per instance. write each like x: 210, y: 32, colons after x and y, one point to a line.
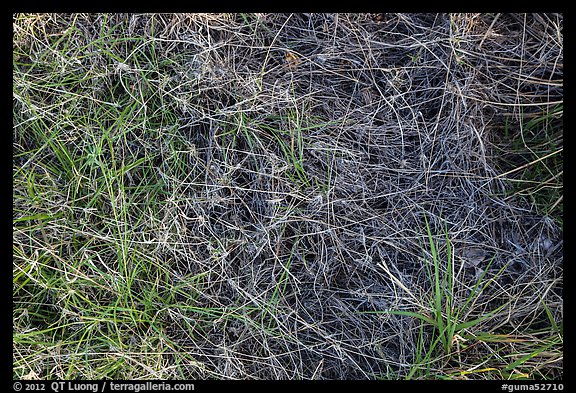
x: 302, y: 196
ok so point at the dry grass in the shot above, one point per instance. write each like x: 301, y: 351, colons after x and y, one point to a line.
x: 245, y: 196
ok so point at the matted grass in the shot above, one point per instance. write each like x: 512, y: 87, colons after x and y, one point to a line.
x: 303, y: 196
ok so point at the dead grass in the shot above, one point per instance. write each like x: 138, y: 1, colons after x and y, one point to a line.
x: 242, y: 195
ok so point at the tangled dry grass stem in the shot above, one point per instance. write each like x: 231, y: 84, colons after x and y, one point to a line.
x: 239, y: 195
